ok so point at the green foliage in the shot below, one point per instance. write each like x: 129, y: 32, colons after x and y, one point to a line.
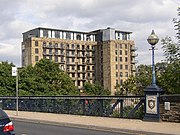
x: 95, y: 89
x: 136, y: 84
x: 7, y: 81
x: 169, y: 79
x: 171, y: 50
x: 45, y: 78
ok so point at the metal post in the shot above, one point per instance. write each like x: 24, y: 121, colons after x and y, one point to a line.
x: 153, y: 68
x: 17, y: 94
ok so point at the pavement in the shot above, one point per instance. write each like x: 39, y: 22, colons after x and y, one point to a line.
x: 130, y: 126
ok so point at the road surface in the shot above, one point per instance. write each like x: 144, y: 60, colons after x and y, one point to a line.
x: 31, y: 128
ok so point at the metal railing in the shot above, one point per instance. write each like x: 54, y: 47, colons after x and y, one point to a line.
x: 107, y: 106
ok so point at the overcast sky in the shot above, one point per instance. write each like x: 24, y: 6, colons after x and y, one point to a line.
x: 138, y: 16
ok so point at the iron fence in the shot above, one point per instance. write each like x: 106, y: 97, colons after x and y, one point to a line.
x: 106, y: 106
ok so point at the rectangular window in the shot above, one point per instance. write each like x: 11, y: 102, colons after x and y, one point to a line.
x: 56, y: 52
x: 50, y: 51
x: 116, y: 66
x: 116, y: 59
x: 120, y: 59
x: 116, y: 46
x: 121, y: 46
x: 121, y: 82
x: 36, y: 51
x: 126, y: 52
x: 126, y: 59
x: 120, y: 52
x: 126, y: 67
x: 116, y: 74
x: 126, y: 74
x: 62, y: 59
x: 73, y: 67
x: 72, y: 46
x: 56, y: 58
x: 36, y: 58
x: 73, y: 60
x: 116, y: 52
x: 125, y: 46
x: 116, y: 82
x: 50, y: 58
x: 121, y: 74
x: 36, y: 43
x: 121, y: 66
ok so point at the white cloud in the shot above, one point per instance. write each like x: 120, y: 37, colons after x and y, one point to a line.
x: 138, y: 16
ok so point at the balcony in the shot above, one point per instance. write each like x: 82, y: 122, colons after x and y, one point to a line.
x: 134, y: 48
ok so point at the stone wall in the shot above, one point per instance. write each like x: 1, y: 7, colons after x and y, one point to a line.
x: 170, y: 108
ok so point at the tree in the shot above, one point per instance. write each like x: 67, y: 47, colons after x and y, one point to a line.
x: 45, y: 78
x: 95, y: 89
x: 171, y: 50
x: 170, y: 78
x: 8, y: 82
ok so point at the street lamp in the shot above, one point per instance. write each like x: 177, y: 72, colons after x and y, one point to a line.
x: 152, y: 92
x: 153, y: 40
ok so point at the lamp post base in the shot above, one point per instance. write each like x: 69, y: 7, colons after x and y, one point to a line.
x: 152, y: 93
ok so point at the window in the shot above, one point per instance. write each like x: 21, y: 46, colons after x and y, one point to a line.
x: 121, y: 82
x: 121, y: 46
x: 116, y: 82
x: 56, y: 58
x: 50, y: 45
x: 72, y: 52
x: 56, y: 45
x: 62, y: 59
x: 44, y: 44
x: 73, y: 67
x: 126, y: 74
x: 72, y: 46
x: 61, y: 51
x: 121, y: 66
x: 120, y: 52
x: 68, y: 35
x: 73, y: 60
x: 73, y: 75
x: 125, y: 46
x: 120, y: 59
x: 50, y: 58
x: 121, y: 74
x: 116, y: 66
x: 126, y: 67
x: 116, y: 45
x: 50, y: 51
x: 36, y: 58
x: 61, y: 45
x: 116, y: 52
x: 56, y: 52
x: 116, y: 59
x: 36, y: 43
x: 116, y: 74
x: 126, y: 59
x: 36, y: 51
x: 126, y: 52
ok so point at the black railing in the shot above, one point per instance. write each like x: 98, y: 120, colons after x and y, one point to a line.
x: 108, y: 106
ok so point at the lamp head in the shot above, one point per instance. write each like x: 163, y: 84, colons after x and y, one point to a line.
x: 153, y: 38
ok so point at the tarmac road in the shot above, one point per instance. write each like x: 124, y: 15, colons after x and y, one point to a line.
x: 31, y: 128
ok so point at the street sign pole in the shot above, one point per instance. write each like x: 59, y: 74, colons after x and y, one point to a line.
x: 15, y: 73
x: 17, y: 95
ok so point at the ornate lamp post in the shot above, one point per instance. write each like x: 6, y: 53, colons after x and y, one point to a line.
x: 153, y: 40
x: 152, y: 92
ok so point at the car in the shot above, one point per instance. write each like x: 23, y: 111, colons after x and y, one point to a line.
x: 6, y: 125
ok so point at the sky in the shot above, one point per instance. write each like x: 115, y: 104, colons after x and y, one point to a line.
x: 137, y: 16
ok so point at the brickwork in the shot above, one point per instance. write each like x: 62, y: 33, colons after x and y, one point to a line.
x: 173, y: 113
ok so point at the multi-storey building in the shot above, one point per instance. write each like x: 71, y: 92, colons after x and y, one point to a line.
x: 105, y: 55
